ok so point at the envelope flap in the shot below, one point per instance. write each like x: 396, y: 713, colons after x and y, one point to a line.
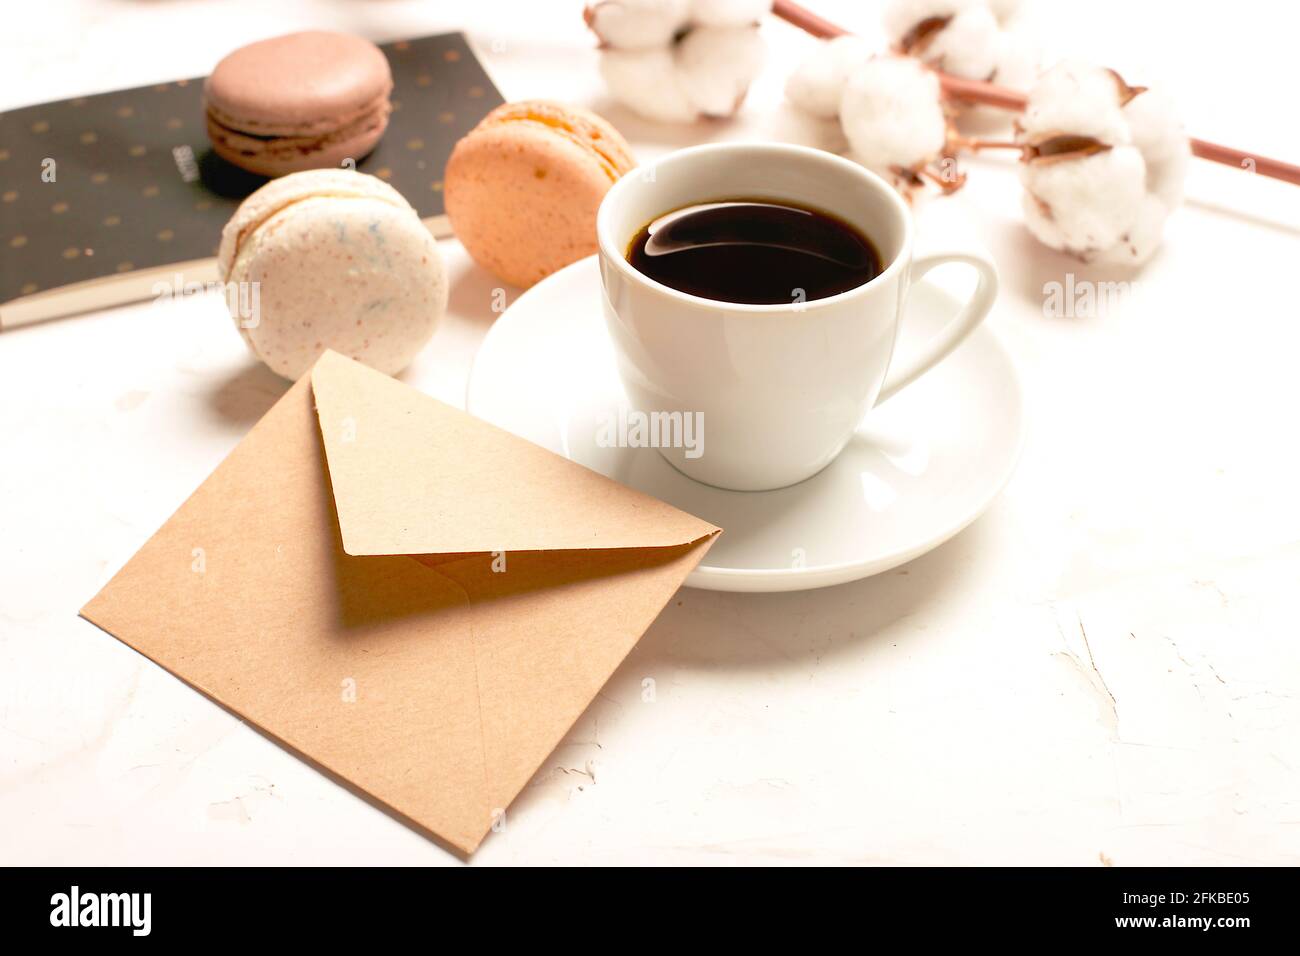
x: 412, y: 475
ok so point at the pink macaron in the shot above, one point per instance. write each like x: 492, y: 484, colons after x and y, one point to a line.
x: 302, y: 101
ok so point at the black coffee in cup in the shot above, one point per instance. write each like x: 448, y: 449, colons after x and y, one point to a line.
x: 754, y: 251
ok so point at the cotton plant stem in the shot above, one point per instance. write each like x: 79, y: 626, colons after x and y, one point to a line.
x: 990, y: 94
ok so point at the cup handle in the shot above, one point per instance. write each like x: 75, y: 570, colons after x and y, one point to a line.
x: 971, y: 314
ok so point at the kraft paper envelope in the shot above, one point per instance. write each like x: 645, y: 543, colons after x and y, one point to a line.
x: 414, y: 600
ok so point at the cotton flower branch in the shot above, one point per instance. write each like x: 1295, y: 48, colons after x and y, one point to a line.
x: 991, y: 94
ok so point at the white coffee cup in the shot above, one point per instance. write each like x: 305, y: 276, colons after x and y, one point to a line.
x: 778, y: 389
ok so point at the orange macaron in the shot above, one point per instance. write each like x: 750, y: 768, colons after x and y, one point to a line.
x: 522, y: 188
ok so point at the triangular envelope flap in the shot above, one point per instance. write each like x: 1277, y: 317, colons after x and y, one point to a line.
x: 412, y: 475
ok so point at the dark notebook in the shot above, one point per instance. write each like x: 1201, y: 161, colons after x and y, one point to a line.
x: 102, y: 197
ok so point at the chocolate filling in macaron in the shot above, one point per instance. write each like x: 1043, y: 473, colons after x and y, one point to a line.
x: 301, y: 101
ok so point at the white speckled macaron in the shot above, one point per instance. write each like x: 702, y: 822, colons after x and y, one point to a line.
x: 332, y: 259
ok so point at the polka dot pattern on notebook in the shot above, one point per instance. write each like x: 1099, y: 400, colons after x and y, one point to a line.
x: 103, y: 185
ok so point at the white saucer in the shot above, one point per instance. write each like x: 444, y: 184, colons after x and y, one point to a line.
x: 922, y: 467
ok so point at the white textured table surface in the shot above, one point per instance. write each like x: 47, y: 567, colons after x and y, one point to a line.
x: 1103, y: 668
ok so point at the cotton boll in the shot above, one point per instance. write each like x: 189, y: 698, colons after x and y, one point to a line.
x: 647, y: 81
x: 1077, y: 98
x: 638, y: 24
x: 715, y: 66
x: 892, y: 115
x: 817, y: 85
x: 1084, y: 204
x: 729, y: 13
x: 1102, y: 202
